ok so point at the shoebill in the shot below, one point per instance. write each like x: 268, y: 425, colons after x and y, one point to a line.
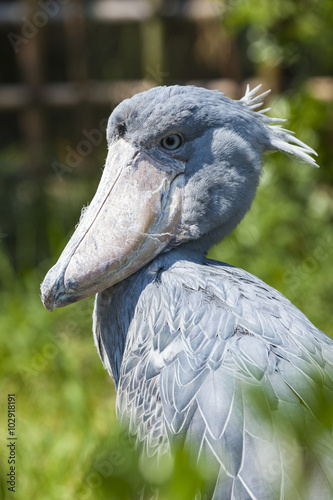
x: 203, y: 355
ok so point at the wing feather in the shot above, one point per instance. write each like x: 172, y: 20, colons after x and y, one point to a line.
x: 219, y: 361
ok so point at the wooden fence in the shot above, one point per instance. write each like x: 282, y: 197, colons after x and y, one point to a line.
x: 28, y: 27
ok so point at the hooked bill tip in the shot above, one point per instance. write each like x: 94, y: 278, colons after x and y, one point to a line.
x: 49, y: 291
x: 47, y: 299
x: 49, y: 307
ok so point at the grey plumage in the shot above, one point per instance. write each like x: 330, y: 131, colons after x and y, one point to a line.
x: 199, y: 336
x: 203, y: 354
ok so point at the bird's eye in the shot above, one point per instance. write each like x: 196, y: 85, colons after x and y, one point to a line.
x: 172, y: 142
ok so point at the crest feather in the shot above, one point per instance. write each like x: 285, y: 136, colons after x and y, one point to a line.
x: 279, y: 139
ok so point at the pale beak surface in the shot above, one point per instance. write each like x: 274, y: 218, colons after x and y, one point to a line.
x: 133, y: 216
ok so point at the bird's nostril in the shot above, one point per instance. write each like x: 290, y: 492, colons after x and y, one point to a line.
x: 121, y: 128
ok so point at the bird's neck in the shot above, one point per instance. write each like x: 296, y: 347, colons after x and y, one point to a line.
x: 115, y: 307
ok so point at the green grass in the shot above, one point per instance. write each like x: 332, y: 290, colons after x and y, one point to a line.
x: 64, y: 398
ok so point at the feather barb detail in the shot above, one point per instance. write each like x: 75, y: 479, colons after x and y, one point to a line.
x: 278, y: 138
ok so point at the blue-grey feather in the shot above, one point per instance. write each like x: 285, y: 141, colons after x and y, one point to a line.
x: 187, y: 340
x: 193, y: 387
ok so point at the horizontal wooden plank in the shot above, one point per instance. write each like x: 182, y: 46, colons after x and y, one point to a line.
x: 70, y: 94
x: 16, y: 96
x: 67, y: 94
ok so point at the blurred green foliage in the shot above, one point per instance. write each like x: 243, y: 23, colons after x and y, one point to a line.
x: 65, y: 400
x: 292, y: 34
